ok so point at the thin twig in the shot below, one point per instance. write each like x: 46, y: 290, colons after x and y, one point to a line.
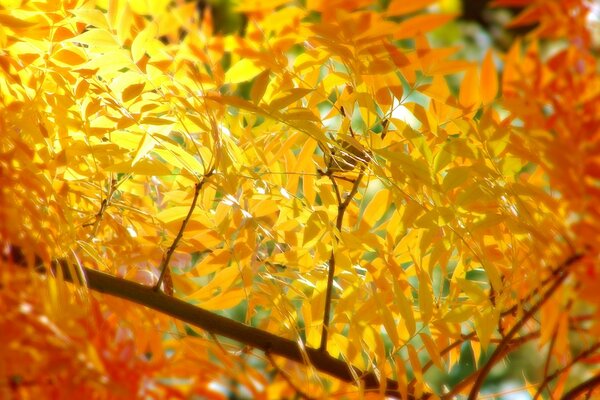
x: 548, y: 359
x: 561, y: 274
x: 586, y: 386
x: 164, y: 265
x: 342, y: 206
x: 549, y: 378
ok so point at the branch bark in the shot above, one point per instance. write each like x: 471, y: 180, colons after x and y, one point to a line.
x: 584, y: 387
x: 216, y: 324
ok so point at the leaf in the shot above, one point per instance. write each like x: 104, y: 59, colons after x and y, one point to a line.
x: 141, y: 40
x: 72, y: 56
x: 146, y: 145
x: 224, y: 301
x: 421, y: 24
x: 432, y: 349
x: 132, y: 91
x: 425, y: 297
x: 485, y: 325
x: 177, y: 156
x: 473, y: 290
x: 96, y: 39
x: 260, y: 86
x: 400, y: 7
x: 92, y: 17
x: 388, y: 319
x: 455, y: 177
x: 242, y: 71
x: 459, y: 314
x: 288, y: 98
x: 417, y: 369
x: 315, y: 226
x: 223, y: 279
x: 142, y: 167
x: 13, y: 22
x: 469, y: 96
x: 406, y: 312
x: 489, y: 79
x: 377, y: 207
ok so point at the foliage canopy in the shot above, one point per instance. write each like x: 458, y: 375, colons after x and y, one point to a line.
x: 373, y: 210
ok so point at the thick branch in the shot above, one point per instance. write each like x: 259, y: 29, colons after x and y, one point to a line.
x: 582, y: 388
x: 218, y: 325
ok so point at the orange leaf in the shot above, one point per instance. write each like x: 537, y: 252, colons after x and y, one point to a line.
x: 421, y: 24
x: 400, y: 7
x: 489, y: 79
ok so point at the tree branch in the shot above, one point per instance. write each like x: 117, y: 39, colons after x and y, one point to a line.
x: 342, y: 206
x: 164, y: 265
x: 215, y: 324
x: 548, y: 378
x: 560, y: 273
x: 586, y: 386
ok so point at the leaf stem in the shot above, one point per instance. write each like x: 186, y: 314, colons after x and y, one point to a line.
x: 164, y: 265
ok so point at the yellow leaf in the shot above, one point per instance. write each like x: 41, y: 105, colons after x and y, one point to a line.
x: 178, y: 213
x: 177, y: 156
x: 242, y: 71
x: 493, y: 275
x: 473, y: 290
x: 489, y: 79
x: 290, y: 97
x: 425, y: 297
x: 459, y: 314
x: 388, y: 320
x: 417, y: 369
x: 96, y: 39
x: 260, y: 86
x: 91, y: 16
x: 149, y: 7
x: 142, y: 167
x: 224, y: 301
x: 12, y: 22
x: 485, y: 325
x: 432, y: 349
x: 315, y: 225
x: 406, y: 312
x: 138, y: 46
x: 455, y: 177
x: 224, y: 278
x: 109, y: 62
x: 146, y: 145
x: 402, y: 376
x: 377, y: 207
x: 132, y: 91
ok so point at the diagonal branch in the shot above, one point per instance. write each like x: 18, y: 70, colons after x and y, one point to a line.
x: 586, y: 386
x: 217, y: 324
x: 342, y: 206
x: 560, y: 275
x: 164, y: 265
